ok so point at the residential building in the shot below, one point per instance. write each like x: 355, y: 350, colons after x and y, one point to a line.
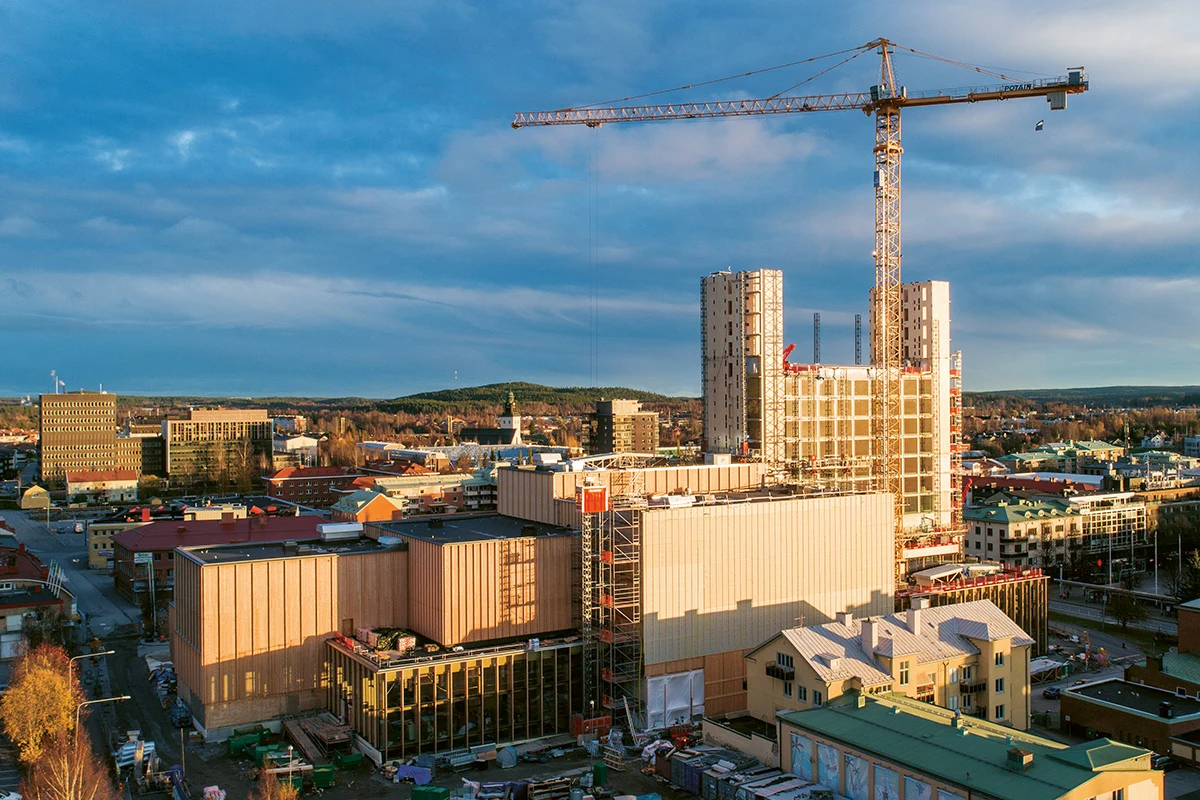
x: 966, y: 657
x: 620, y: 426
x: 1023, y: 533
x: 877, y: 746
x: 318, y: 487
x: 506, y: 433
x: 291, y: 424
x: 77, y: 432
x: 100, y: 533
x: 162, y: 537
x: 1177, y: 670
x: 35, y: 497
x: 442, y: 494
x: 1064, y: 457
x: 29, y: 592
x: 212, y: 440
x: 1114, y: 529
x: 367, y: 506
x: 816, y: 420
x: 1191, y: 446
x: 102, y: 486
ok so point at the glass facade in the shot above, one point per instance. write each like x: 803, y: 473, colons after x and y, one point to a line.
x: 449, y: 701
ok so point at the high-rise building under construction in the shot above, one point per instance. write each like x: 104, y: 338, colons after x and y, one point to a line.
x: 813, y: 422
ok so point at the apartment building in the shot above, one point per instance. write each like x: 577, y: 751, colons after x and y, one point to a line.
x: 966, y: 657
x: 320, y: 487
x: 209, y: 438
x: 1023, y: 533
x: 620, y: 426
x: 1063, y: 457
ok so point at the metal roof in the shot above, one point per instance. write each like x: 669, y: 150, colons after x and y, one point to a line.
x: 975, y: 756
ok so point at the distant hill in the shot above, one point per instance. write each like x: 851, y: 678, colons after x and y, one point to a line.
x: 1128, y: 396
x: 477, y: 397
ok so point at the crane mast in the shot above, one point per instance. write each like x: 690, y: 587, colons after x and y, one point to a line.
x: 885, y: 102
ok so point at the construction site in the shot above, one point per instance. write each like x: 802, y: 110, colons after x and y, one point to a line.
x: 613, y: 589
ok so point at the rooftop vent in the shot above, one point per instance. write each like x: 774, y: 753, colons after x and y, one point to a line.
x: 435, y: 523
x: 1019, y: 759
x: 529, y: 530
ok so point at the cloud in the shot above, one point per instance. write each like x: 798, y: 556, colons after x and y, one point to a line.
x: 22, y: 227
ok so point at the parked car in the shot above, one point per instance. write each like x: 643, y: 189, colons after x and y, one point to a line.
x: 1163, y: 762
x: 10, y: 796
x: 181, y: 715
x: 1051, y: 693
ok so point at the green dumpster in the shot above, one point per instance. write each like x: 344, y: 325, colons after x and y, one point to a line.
x: 322, y: 775
x: 235, y: 745
x: 600, y: 773
x: 348, y: 760
x: 430, y: 793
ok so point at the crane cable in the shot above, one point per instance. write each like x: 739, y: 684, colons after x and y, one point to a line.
x: 857, y: 50
x: 819, y: 74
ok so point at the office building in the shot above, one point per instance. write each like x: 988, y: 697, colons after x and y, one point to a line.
x: 78, y: 432
x: 211, y: 441
x: 620, y: 426
x: 878, y: 746
x: 1023, y: 533
x: 966, y: 657
x: 318, y: 487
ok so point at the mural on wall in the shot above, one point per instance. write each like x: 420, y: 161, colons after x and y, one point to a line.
x: 857, y: 778
x: 917, y: 790
x: 802, y: 757
x: 944, y: 795
x: 828, y: 760
x: 887, y: 783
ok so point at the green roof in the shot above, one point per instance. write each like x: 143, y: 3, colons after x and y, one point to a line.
x: 975, y: 756
x: 1003, y: 508
x: 1185, y: 666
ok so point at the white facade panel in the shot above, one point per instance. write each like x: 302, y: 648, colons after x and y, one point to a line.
x: 718, y: 578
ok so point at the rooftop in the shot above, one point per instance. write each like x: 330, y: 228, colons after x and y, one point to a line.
x: 1135, y: 697
x: 835, y: 652
x: 223, y: 554
x: 101, y: 475
x: 301, y: 473
x: 1019, y: 510
x: 169, y: 534
x: 974, y: 756
x: 457, y: 529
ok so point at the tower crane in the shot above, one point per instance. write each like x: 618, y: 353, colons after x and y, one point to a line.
x: 884, y: 101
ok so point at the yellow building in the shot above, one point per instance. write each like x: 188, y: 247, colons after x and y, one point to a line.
x: 967, y: 657
x: 864, y: 747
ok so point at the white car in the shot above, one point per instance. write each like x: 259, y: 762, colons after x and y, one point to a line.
x: 10, y: 796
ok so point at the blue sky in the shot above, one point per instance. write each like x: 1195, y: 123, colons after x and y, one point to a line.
x: 316, y: 198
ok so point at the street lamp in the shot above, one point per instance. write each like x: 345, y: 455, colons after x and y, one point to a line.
x: 290, y: 765
x: 93, y: 702
x: 73, y: 659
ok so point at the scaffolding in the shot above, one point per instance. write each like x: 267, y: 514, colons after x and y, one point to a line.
x: 611, y: 589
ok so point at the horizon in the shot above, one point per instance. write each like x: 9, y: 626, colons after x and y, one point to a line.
x: 287, y: 198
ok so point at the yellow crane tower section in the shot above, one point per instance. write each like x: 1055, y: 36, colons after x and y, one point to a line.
x: 884, y: 101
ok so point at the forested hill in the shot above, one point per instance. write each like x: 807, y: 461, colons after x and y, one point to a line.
x: 478, y: 397
x: 1100, y: 396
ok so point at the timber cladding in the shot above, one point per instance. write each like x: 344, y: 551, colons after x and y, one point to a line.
x: 250, y: 635
x: 477, y: 591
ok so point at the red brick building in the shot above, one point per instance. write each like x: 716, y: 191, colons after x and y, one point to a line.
x: 312, y: 486
x: 161, y: 538
x: 26, y: 588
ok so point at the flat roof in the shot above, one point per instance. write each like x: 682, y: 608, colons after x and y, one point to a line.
x: 169, y: 534
x: 224, y: 554
x: 458, y: 529
x: 1135, y: 697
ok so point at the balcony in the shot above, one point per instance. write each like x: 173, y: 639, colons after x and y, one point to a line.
x: 780, y: 671
x: 966, y: 687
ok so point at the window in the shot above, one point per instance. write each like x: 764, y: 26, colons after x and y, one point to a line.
x: 783, y: 660
x: 999, y: 659
x: 903, y: 673
x: 990, y: 548
x: 787, y: 689
x: 1000, y: 712
x: 968, y: 672
x: 816, y: 698
x: 802, y: 693
x: 999, y: 685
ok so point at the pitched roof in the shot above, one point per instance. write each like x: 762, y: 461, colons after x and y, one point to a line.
x: 974, y: 756
x: 1012, y: 509
x: 834, y: 650
x: 297, y: 473
x: 169, y: 534
x: 101, y: 475
x: 356, y: 501
x: 1185, y: 666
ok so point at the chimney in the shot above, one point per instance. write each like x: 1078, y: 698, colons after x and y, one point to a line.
x: 844, y: 617
x: 1020, y: 760
x: 870, y: 637
x: 145, y: 515
x: 919, y: 604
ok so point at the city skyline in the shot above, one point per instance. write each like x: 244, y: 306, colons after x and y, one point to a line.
x: 297, y: 199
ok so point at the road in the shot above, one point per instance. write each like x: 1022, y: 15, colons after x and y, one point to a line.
x: 1155, y: 622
